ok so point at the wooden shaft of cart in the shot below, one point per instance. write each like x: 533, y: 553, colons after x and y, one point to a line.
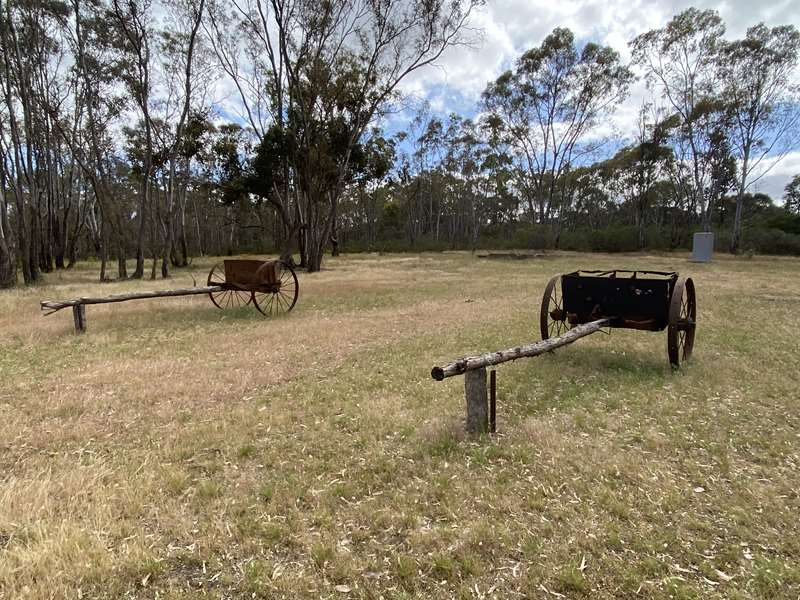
x: 56, y: 305
x: 78, y: 305
x: 470, y: 363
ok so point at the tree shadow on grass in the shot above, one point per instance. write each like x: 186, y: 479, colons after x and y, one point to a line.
x: 604, y: 361
x: 581, y: 377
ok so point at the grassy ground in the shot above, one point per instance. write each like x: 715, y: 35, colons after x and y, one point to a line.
x: 177, y: 451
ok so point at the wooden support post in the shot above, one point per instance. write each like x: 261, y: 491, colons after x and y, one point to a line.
x: 477, y: 409
x: 493, y: 401
x: 79, y: 315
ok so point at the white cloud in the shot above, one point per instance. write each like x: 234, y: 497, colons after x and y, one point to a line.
x: 773, y: 174
x: 512, y: 26
x: 466, y: 70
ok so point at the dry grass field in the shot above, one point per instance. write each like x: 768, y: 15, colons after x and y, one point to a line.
x: 178, y: 451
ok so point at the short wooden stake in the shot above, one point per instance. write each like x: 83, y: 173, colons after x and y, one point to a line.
x: 477, y: 409
x: 493, y: 401
x: 79, y: 315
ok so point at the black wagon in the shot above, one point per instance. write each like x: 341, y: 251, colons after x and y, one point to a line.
x: 645, y: 300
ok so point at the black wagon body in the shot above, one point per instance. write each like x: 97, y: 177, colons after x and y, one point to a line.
x: 631, y: 299
x: 644, y: 300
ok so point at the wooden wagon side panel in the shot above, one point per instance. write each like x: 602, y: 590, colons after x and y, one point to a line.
x: 634, y: 302
x: 241, y: 272
x: 270, y: 272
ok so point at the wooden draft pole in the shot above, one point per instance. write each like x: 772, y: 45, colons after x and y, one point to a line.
x: 55, y: 305
x: 79, y: 304
x: 474, y: 369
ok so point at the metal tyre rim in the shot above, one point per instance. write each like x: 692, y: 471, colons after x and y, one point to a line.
x: 272, y: 304
x: 682, y: 322
x: 553, y: 301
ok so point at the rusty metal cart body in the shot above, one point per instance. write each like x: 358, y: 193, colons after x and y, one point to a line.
x: 643, y: 300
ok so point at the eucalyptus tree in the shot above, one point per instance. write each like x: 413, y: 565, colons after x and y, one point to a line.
x: 759, y: 78
x: 331, y: 69
x: 552, y: 100
x: 680, y: 60
x: 497, y: 168
x: 178, y: 53
x: 29, y: 49
x: 372, y: 163
x: 635, y: 169
x: 427, y: 200
x: 8, y: 271
x: 16, y: 154
x: 96, y: 104
x: 131, y: 23
x: 588, y: 195
x: 466, y: 180
x: 39, y: 173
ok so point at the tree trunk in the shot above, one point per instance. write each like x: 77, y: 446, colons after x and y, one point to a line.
x: 103, y: 248
x: 640, y: 205
x: 319, y: 229
x: 35, y: 240
x: 8, y: 273
x: 168, y: 227
x: 183, y: 260
x: 334, y: 235
x: 144, y: 197
x: 737, y: 221
x: 200, y: 245
x: 8, y: 276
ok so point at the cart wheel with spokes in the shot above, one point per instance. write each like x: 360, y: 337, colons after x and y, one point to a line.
x: 682, y: 322
x: 284, y: 296
x: 226, y: 298
x: 553, y: 318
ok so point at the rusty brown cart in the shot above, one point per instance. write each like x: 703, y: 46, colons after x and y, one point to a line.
x: 270, y: 285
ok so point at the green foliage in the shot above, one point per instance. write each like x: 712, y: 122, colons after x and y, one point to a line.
x: 791, y: 196
x: 786, y: 222
x: 769, y: 241
x: 554, y: 83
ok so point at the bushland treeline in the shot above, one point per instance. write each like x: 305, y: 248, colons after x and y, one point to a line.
x: 120, y: 140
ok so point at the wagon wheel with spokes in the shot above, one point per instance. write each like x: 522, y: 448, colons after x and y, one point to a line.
x: 553, y: 318
x: 682, y: 322
x: 284, y: 296
x: 226, y: 298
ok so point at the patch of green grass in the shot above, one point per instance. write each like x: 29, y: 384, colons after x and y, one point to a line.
x: 773, y: 577
x: 209, y: 489
x: 570, y: 580
x: 246, y: 451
